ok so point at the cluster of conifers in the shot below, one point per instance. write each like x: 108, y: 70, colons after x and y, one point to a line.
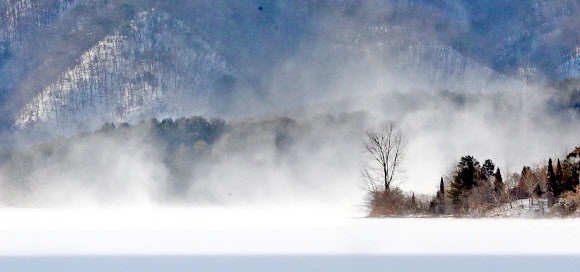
x: 474, y: 188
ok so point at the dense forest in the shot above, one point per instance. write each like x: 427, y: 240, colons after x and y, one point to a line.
x: 175, y: 159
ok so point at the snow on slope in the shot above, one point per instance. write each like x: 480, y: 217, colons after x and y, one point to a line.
x: 17, y: 15
x: 422, y: 60
x: 522, y: 208
x: 156, y: 68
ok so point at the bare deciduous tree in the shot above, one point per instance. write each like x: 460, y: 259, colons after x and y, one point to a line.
x: 510, y: 182
x: 385, y: 145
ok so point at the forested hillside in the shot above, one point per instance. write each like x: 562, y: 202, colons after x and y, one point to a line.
x: 186, y: 160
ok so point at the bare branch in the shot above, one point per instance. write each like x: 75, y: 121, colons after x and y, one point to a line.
x: 386, y: 146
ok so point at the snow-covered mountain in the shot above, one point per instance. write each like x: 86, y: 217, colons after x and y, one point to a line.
x: 155, y: 66
x: 74, y: 64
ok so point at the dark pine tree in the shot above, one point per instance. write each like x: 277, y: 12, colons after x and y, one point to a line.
x: 467, y: 172
x: 441, y: 193
x: 437, y: 205
x: 488, y: 168
x: 551, y: 182
x: 463, y: 181
x: 499, y: 186
x: 559, y: 172
x: 560, y: 176
x: 441, y: 198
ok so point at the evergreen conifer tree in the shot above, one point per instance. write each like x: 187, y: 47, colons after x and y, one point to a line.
x: 467, y: 172
x: 551, y: 182
x: 441, y: 199
x: 560, y: 177
x: 441, y: 192
x: 499, y: 186
x: 437, y: 205
x: 488, y: 168
x: 463, y: 181
x: 559, y: 172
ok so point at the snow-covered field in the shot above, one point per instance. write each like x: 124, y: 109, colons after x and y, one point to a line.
x: 253, y: 230
x: 280, y: 238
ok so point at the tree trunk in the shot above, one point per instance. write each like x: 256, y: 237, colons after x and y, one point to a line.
x: 386, y: 177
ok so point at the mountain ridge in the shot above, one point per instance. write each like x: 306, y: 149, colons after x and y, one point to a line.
x: 153, y: 58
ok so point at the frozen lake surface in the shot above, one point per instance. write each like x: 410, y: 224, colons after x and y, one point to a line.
x: 291, y: 263
x: 282, y: 238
